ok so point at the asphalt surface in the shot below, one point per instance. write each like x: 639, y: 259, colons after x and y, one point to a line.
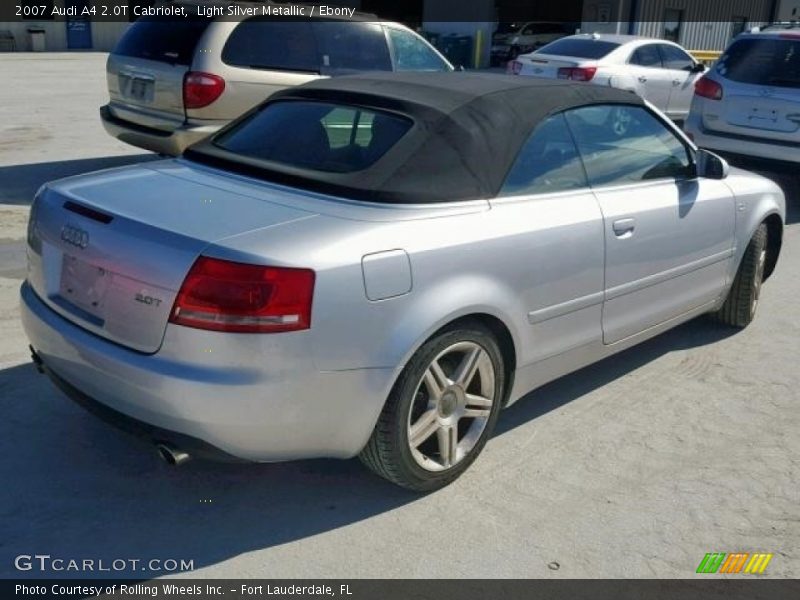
x: 634, y: 467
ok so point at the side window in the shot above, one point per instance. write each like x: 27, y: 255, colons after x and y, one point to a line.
x: 412, y: 54
x: 646, y: 56
x: 352, y: 46
x: 547, y: 162
x: 675, y: 58
x: 626, y: 144
x: 269, y: 44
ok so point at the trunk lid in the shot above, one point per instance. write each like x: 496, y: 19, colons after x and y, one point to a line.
x: 146, y: 69
x: 109, y: 251
x: 760, y: 78
x: 546, y: 66
x: 768, y: 112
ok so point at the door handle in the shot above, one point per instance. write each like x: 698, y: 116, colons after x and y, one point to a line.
x: 642, y: 79
x: 624, y: 227
x: 676, y: 82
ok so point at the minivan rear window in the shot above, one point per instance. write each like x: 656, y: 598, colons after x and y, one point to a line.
x: 762, y: 61
x: 327, y: 47
x: 319, y: 136
x: 155, y: 38
x: 578, y: 48
x: 270, y: 44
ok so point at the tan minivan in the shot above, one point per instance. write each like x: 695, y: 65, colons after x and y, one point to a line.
x: 171, y: 83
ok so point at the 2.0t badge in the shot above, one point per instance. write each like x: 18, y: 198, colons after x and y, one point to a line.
x: 75, y: 236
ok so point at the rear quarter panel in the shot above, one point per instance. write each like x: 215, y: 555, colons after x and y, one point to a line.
x: 514, y: 260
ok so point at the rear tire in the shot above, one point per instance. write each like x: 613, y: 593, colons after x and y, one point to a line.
x: 740, y: 305
x: 441, y: 410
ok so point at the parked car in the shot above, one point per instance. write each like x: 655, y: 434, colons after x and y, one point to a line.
x: 511, y: 39
x: 375, y: 265
x: 660, y: 71
x: 749, y: 102
x: 172, y: 83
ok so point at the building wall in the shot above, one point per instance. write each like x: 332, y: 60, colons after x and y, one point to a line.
x: 104, y: 35
x: 788, y: 10
x: 707, y: 24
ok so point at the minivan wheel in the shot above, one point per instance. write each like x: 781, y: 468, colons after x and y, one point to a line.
x: 441, y: 410
x: 740, y: 305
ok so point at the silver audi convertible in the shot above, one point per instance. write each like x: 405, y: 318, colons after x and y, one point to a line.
x: 375, y: 265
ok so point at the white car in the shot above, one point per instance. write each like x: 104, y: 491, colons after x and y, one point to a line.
x: 749, y: 102
x: 660, y: 71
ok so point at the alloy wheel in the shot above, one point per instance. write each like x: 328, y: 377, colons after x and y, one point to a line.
x: 451, y: 406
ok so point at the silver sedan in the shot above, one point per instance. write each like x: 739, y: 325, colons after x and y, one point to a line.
x: 375, y: 265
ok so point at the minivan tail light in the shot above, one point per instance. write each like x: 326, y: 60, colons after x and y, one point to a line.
x: 201, y: 89
x: 577, y: 73
x: 222, y: 295
x: 708, y: 88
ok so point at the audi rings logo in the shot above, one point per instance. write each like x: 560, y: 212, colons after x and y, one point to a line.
x: 75, y: 236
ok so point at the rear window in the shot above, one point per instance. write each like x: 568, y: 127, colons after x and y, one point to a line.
x: 347, y: 46
x: 578, y: 48
x: 262, y: 44
x: 154, y: 38
x: 315, y: 135
x: 762, y: 61
x: 328, y: 47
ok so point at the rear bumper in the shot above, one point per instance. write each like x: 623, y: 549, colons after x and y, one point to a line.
x: 742, y: 145
x: 171, y: 143
x: 249, y: 397
x: 156, y: 435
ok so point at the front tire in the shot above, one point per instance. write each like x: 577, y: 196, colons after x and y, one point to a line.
x: 740, y: 305
x: 441, y: 410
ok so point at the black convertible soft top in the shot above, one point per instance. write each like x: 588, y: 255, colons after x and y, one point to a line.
x: 468, y: 129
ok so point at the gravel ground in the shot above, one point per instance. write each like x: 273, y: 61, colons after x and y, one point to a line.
x: 634, y: 467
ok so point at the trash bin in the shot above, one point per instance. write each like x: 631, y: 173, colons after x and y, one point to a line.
x: 457, y: 49
x: 37, y: 39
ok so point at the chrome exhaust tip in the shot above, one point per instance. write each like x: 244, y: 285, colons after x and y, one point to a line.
x: 172, y: 456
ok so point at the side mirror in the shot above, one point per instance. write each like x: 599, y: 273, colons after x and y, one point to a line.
x: 711, y: 166
x: 459, y: 68
x: 697, y: 68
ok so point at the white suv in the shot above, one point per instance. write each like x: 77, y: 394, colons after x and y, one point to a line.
x: 749, y: 102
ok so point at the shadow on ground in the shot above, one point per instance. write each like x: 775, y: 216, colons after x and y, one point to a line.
x: 82, y: 489
x: 18, y: 183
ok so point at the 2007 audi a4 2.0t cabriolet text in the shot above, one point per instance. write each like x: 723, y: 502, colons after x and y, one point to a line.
x: 375, y: 265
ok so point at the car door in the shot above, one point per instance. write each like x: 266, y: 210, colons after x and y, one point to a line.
x: 668, y: 234
x: 682, y: 72
x: 552, y: 242
x: 647, y: 76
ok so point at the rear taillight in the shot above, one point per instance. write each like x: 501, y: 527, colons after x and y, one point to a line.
x: 708, y: 88
x: 201, y: 89
x: 513, y: 67
x: 229, y: 296
x: 577, y: 73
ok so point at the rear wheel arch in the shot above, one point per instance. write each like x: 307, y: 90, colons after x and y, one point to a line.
x: 501, y: 333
